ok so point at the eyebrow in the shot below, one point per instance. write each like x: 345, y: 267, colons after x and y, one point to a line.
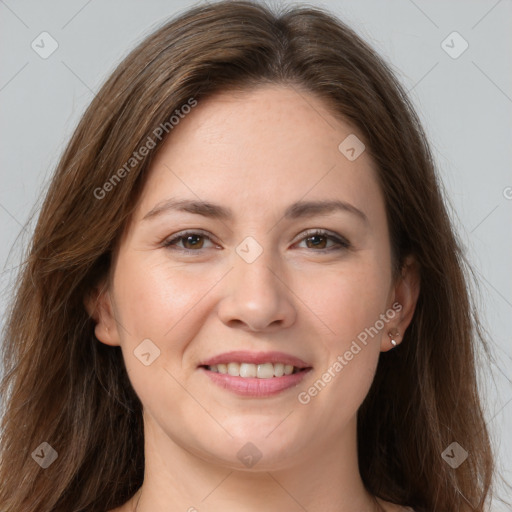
x: 296, y: 210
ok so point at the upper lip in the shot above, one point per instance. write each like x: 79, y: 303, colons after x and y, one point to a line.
x: 241, y: 356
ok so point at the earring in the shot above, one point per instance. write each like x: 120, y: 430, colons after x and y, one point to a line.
x: 392, y: 336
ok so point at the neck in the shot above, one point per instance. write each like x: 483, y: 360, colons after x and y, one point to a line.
x: 326, y: 479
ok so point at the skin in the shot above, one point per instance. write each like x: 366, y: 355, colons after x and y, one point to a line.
x: 271, y: 146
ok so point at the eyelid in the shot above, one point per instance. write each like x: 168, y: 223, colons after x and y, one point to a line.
x: 331, y: 235
x: 176, y: 237
x: 341, y: 241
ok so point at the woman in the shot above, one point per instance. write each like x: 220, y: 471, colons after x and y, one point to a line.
x: 244, y: 290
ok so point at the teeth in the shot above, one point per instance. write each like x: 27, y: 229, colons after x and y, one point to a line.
x: 234, y: 369
x: 261, y: 371
x: 264, y: 371
x: 278, y: 369
x: 249, y: 370
x: 288, y: 369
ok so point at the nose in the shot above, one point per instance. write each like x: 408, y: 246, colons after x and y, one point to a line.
x: 256, y: 297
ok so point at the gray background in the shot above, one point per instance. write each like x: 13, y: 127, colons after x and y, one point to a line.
x: 465, y: 104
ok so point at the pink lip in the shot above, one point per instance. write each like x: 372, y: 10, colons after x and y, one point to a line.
x: 254, y: 387
x: 241, y: 356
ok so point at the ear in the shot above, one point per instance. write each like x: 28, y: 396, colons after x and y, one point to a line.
x: 99, y: 306
x: 404, y: 298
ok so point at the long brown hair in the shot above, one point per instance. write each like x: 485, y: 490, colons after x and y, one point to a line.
x: 63, y: 387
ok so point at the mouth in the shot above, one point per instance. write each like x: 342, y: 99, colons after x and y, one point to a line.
x: 255, y: 374
x: 250, y: 370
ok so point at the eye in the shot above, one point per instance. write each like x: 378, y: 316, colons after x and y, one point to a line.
x: 318, y: 239
x: 192, y: 241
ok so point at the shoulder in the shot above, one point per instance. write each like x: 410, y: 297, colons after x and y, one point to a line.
x: 391, y: 507
x: 122, y: 508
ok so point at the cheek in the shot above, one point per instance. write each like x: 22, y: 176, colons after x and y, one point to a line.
x: 348, y: 299
x: 155, y: 299
x: 160, y: 302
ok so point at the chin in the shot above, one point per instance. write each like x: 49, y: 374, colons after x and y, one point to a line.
x: 255, y: 452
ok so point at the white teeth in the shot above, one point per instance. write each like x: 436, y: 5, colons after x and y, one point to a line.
x: 234, y: 369
x: 278, y: 369
x: 288, y: 369
x: 246, y: 370
x: 265, y: 371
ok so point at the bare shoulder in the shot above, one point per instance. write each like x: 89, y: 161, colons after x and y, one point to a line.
x: 388, y: 507
x: 122, y: 508
x: 391, y: 507
x: 128, y: 506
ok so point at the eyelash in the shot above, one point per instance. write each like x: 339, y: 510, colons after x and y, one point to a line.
x: 342, y: 242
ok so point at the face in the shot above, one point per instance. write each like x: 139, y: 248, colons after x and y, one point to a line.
x: 255, y: 235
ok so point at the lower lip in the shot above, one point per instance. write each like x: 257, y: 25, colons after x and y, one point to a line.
x: 254, y: 387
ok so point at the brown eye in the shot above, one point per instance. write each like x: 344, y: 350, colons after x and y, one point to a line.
x: 188, y: 242
x: 318, y: 240
x: 193, y: 241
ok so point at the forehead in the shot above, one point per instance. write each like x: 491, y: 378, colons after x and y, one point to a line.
x: 269, y: 145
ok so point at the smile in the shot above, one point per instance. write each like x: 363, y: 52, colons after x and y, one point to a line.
x: 260, y: 371
x: 255, y: 386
